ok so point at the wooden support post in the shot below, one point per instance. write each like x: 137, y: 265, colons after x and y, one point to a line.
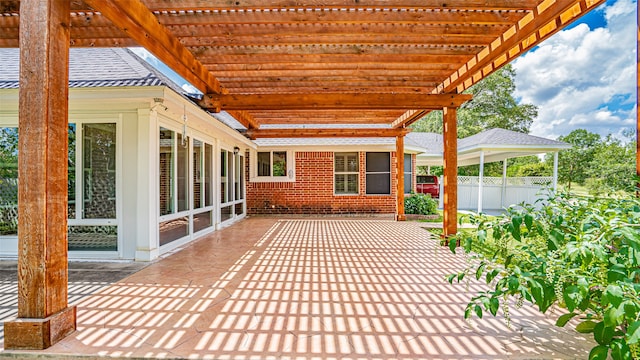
x: 450, y: 172
x: 44, y: 316
x: 400, y: 216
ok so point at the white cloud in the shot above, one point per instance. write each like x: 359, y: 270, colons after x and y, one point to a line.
x: 579, y: 77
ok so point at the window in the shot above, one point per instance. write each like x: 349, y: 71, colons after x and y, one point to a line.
x: 91, y: 186
x: 378, y: 177
x: 408, y: 174
x: 167, y: 176
x: 272, y: 163
x: 99, y: 172
x: 232, y: 185
x: 346, y: 173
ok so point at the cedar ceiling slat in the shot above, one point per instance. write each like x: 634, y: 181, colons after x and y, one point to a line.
x: 329, y: 114
x: 343, y: 16
x: 342, y: 49
x: 333, y: 77
x: 324, y: 28
x: 345, y: 89
x: 286, y: 67
x: 281, y: 39
x: 324, y: 133
x: 209, y: 57
x: 119, y: 42
x: 332, y: 74
x: 185, y: 5
x: 319, y: 86
x: 182, y: 5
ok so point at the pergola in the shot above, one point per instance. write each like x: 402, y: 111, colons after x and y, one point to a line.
x: 265, y: 62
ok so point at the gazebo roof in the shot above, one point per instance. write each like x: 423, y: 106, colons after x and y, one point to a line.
x: 496, y: 144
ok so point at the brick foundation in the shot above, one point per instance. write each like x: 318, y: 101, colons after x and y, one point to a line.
x: 313, y: 193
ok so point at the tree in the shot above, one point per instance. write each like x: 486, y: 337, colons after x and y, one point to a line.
x: 612, y: 167
x: 492, y: 106
x: 574, y: 163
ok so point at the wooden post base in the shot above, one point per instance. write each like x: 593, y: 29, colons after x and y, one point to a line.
x: 39, y: 334
x: 401, y: 217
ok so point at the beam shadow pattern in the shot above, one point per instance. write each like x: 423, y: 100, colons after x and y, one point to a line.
x: 308, y: 289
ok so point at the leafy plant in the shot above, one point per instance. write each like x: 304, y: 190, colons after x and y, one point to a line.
x: 421, y: 204
x: 582, y: 255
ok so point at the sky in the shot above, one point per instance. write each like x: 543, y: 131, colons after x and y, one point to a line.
x: 583, y: 77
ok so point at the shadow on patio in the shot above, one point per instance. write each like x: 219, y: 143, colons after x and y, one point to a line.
x: 323, y: 289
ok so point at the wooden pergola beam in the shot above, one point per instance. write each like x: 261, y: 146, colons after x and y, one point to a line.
x: 163, y: 5
x: 325, y: 133
x: 138, y: 22
x: 326, y: 101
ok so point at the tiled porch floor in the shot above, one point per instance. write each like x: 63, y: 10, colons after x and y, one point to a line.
x: 306, y: 289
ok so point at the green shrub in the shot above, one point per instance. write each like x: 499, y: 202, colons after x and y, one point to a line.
x: 421, y: 204
x: 579, y: 254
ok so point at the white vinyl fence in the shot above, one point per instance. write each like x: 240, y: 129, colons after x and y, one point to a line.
x: 498, y: 195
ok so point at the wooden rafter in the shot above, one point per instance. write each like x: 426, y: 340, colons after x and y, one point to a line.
x: 325, y: 133
x: 244, y: 118
x: 408, y: 118
x: 330, y: 101
x: 133, y: 18
x: 326, y: 116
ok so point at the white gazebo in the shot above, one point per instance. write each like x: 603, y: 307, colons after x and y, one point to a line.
x: 490, y: 146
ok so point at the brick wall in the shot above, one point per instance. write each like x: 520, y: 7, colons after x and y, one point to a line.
x: 312, y: 192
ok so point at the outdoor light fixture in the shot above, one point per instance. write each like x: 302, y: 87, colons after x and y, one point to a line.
x: 236, y: 150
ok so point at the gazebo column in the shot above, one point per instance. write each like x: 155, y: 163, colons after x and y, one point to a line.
x: 555, y: 172
x: 450, y: 172
x: 44, y: 316
x: 480, y: 181
x: 400, y: 216
x: 504, y: 182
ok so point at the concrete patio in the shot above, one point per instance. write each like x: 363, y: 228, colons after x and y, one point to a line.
x: 305, y: 289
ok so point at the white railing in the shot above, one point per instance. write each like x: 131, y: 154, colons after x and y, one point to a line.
x: 496, y: 195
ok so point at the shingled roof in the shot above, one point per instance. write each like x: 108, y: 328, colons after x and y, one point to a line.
x: 93, y: 67
x: 496, y: 144
x: 501, y: 137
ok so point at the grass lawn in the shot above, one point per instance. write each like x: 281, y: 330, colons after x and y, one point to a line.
x: 461, y: 215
